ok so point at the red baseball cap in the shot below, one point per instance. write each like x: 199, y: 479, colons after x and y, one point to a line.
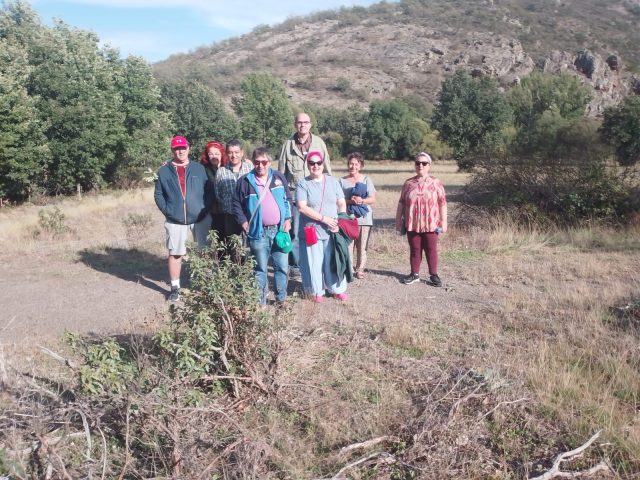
x: 178, y: 141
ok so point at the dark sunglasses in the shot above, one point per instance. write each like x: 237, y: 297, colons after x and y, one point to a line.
x: 264, y: 163
x: 312, y: 163
x: 424, y: 164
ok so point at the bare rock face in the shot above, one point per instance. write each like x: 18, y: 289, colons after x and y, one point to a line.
x: 613, y: 62
x: 604, y: 77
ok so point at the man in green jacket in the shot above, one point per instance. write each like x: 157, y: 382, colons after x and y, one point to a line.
x: 292, y: 163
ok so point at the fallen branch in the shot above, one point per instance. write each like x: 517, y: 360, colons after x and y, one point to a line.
x: 456, y: 406
x: 555, y: 471
x: 104, y: 453
x: 87, y: 432
x: 368, y: 444
x: 224, y: 453
x: 388, y: 458
x: 57, y: 357
x: 523, y: 399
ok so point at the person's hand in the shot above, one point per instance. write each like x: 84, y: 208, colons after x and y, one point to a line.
x: 286, y: 226
x: 245, y: 227
x: 444, y: 227
x: 334, y: 229
x: 356, y: 200
x: 332, y: 223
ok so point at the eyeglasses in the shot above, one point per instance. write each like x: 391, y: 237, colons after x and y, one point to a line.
x: 315, y: 164
x: 424, y: 164
x: 303, y: 123
x: 264, y: 163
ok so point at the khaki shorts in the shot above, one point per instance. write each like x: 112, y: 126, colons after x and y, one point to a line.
x: 178, y: 235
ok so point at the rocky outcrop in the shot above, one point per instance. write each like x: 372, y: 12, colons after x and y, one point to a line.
x: 604, y: 77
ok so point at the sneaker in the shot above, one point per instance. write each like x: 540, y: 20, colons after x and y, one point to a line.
x: 317, y: 298
x: 342, y: 296
x: 174, y: 296
x: 411, y: 278
x: 435, y: 280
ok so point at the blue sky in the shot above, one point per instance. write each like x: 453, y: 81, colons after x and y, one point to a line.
x: 155, y: 29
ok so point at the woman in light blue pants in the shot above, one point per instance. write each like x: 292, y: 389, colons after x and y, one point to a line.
x: 320, y: 198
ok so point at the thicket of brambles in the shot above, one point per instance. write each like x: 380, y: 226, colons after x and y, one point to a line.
x: 532, y: 149
x: 162, y: 405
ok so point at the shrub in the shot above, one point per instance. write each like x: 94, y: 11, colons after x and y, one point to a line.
x: 569, y: 181
x: 136, y: 225
x: 158, y: 405
x: 52, y: 222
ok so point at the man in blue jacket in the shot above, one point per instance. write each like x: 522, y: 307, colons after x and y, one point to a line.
x: 262, y: 206
x: 183, y: 194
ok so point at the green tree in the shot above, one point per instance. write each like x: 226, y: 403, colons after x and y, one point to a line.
x: 542, y: 104
x: 147, y: 130
x: 197, y: 113
x: 264, y: 110
x: 471, y: 115
x: 23, y: 153
x: 349, y: 123
x: 621, y: 129
x: 391, y: 131
x: 79, y: 105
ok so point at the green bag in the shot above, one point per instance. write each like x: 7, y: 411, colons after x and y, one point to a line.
x: 283, y: 241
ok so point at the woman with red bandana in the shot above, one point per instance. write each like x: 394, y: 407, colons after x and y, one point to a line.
x: 213, y: 157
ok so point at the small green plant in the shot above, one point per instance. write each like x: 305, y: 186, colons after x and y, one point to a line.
x: 53, y: 222
x: 107, y: 367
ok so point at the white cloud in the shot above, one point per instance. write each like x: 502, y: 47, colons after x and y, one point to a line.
x: 146, y: 44
x: 238, y: 16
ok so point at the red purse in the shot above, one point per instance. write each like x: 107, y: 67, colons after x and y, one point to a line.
x: 310, y: 234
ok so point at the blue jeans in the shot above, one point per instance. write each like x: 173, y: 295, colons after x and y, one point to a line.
x: 262, y: 250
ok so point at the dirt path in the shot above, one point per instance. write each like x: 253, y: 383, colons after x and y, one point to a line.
x: 98, y: 281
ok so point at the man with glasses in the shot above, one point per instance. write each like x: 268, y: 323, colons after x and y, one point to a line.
x: 292, y: 164
x: 261, y: 206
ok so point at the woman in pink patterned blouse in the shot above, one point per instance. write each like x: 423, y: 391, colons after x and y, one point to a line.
x: 422, y: 213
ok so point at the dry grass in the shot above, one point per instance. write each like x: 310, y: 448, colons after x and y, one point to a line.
x: 522, y: 355
x: 93, y: 220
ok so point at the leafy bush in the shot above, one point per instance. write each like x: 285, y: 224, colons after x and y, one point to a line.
x: 621, y: 129
x: 568, y: 181
x: 52, y: 222
x: 107, y: 366
x: 159, y: 405
x: 471, y: 115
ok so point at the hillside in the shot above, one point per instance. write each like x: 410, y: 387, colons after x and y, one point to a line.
x: 395, y: 49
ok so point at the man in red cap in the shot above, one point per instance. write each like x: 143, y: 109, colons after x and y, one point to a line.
x: 183, y: 194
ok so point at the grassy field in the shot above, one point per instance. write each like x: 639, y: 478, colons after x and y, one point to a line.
x: 529, y: 349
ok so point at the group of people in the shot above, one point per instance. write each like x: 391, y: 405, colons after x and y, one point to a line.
x: 292, y: 214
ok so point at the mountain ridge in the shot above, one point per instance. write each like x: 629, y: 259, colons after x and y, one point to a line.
x: 388, y: 50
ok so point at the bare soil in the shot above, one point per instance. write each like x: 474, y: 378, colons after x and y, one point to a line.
x: 518, y: 357
x: 104, y: 279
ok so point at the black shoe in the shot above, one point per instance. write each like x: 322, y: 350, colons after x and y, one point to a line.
x: 174, y: 296
x: 411, y: 278
x: 435, y: 280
